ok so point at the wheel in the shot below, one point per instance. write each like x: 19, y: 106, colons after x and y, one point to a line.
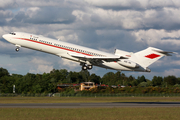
x: 84, y: 67
x: 17, y: 49
x: 89, y: 67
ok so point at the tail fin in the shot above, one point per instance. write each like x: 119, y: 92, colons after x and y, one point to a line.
x: 148, y: 56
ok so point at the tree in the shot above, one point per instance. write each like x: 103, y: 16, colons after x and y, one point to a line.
x: 56, y: 75
x: 134, y: 83
x: 37, y: 88
x: 17, y: 81
x: 85, y: 75
x: 131, y: 78
x: 63, y: 75
x: 3, y: 72
x: 143, y: 84
x: 157, y: 81
x: 74, y: 77
x: 45, y: 83
x: 53, y: 85
x: 124, y: 79
x: 109, y: 78
x: 94, y: 78
x: 141, y: 79
x: 171, y: 80
x: 118, y: 78
x: 6, y: 84
x: 149, y: 83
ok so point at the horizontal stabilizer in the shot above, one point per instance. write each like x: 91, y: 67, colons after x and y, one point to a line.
x: 165, y: 52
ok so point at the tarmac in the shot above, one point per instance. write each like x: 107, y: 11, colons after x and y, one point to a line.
x: 91, y: 105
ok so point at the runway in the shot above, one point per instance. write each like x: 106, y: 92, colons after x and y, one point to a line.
x: 91, y: 105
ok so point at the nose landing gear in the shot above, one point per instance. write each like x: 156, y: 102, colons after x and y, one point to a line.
x: 17, y: 48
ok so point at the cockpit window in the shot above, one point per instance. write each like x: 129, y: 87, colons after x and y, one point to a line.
x: 12, y: 33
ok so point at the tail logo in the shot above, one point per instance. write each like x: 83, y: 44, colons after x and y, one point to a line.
x: 152, y: 56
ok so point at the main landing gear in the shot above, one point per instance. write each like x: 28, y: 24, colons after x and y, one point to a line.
x: 85, y: 67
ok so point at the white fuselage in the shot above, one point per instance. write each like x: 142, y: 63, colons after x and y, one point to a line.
x: 64, y: 50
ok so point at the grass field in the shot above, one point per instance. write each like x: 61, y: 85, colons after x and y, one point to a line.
x: 90, y: 114
x: 85, y: 99
x: 145, y: 113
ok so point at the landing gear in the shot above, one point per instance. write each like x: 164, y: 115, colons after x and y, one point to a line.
x: 85, y: 67
x: 17, y: 49
x: 89, y: 67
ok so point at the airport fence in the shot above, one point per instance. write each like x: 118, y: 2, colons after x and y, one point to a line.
x: 91, y: 95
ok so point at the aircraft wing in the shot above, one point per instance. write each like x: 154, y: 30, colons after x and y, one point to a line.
x: 95, y: 58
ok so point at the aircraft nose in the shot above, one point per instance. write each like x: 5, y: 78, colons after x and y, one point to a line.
x: 5, y: 36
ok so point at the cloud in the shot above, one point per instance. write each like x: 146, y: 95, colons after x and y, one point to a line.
x: 166, y: 18
x: 5, y: 17
x: 69, y: 65
x: 177, y: 62
x: 41, y: 69
x: 8, y: 4
x: 44, y: 15
x: 66, y: 35
x: 174, y: 72
x: 6, y: 48
x: 32, y: 3
x: 130, y: 25
x: 38, y: 65
x: 133, y: 4
x: 17, y: 65
x: 39, y: 61
x: 98, y: 18
x: 155, y: 38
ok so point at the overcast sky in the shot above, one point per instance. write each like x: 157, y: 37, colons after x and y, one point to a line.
x: 130, y: 25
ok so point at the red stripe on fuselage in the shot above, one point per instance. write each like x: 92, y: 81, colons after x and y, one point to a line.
x: 54, y: 46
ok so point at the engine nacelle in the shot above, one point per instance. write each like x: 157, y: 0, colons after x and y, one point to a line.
x: 128, y: 63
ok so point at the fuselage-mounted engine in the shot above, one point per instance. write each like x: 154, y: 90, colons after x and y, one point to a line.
x: 128, y: 63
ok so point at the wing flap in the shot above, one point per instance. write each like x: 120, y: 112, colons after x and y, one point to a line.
x: 89, y: 58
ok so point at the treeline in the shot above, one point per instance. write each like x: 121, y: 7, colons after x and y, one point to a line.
x: 47, y: 82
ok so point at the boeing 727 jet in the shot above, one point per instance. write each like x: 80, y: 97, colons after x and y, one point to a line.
x: 87, y: 57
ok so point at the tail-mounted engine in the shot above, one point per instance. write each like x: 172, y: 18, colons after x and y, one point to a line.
x: 128, y: 63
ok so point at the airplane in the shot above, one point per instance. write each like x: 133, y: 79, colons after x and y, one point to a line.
x: 87, y: 57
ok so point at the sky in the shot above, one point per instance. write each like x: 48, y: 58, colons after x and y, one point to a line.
x: 129, y: 25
